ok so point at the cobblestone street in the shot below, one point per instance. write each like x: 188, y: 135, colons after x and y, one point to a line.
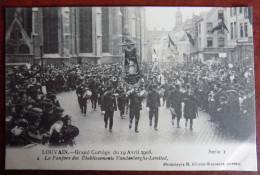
x: 92, y: 130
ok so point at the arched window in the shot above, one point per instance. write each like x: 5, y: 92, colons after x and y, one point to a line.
x: 24, y: 49
x: 16, y: 33
x: 50, y: 30
x: 9, y: 49
x: 85, y: 29
x: 105, y: 29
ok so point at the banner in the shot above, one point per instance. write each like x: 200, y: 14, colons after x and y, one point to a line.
x: 132, y: 72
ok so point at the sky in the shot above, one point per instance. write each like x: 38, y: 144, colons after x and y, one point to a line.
x: 160, y: 17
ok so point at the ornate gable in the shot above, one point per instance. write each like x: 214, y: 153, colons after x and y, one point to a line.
x: 17, y: 41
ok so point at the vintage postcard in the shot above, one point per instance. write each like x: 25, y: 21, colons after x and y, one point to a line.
x: 130, y: 88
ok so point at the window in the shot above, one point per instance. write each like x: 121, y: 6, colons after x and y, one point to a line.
x: 230, y: 12
x: 24, y: 49
x: 199, y: 28
x: 50, y: 29
x: 246, y: 30
x: 115, y: 21
x: 235, y: 30
x: 246, y: 12
x: 85, y: 29
x: 221, y: 42
x: 241, y: 30
x: 231, y: 31
x: 209, y: 42
x: 10, y: 49
x: 26, y: 15
x: 199, y: 42
x: 234, y: 11
x: 120, y: 22
x: 138, y: 22
x: 105, y: 29
x: 209, y: 27
x: 133, y: 26
x: 240, y: 9
x: 220, y: 14
x: 122, y: 10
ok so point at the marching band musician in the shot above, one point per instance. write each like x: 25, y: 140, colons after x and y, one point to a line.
x: 108, y: 104
x: 85, y: 94
x: 94, y: 89
x: 153, y: 103
x: 79, y: 93
x: 135, y: 100
x: 121, y: 100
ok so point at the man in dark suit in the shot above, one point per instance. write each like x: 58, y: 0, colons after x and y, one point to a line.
x: 153, y: 103
x: 94, y: 97
x: 135, y: 107
x: 79, y: 93
x: 121, y: 100
x: 174, y: 101
x: 108, y: 104
x: 218, y: 93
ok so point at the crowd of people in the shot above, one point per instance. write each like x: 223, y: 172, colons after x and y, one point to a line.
x: 34, y: 116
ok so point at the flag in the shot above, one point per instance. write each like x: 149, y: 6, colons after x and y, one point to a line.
x: 224, y: 26
x: 154, y: 50
x: 170, y: 41
x: 220, y: 26
x: 190, y: 38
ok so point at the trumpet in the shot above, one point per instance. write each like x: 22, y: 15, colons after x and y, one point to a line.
x: 141, y: 93
x: 130, y: 91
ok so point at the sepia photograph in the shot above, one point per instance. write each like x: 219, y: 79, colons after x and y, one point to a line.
x: 130, y: 87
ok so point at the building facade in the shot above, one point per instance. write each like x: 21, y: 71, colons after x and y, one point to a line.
x: 240, y: 38
x: 224, y: 33
x: 211, y: 43
x: 72, y: 34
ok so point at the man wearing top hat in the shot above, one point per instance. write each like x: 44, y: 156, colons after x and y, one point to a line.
x: 135, y: 107
x: 190, y: 106
x: 121, y: 100
x: 174, y: 101
x: 93, y: 86
x: 153, y: 103
x: 108, y: 104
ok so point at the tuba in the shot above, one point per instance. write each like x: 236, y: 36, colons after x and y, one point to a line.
x: 113, y: 79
